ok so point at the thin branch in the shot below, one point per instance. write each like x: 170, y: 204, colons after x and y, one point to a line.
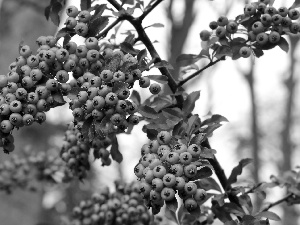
x: 107, y: 29
x: 181, y: 83
x: 146, y: 12
x: 115, y: 4
x: 284, y: 199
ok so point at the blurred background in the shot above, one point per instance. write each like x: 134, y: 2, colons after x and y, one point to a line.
x: 259, y: 97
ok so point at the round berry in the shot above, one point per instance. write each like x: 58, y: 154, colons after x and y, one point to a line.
x: 190, y: 204
x: 190, y: 170
x: 81, y: 29
x: 293, y: 14
x: 168, y: 194
x: 205, y: 35
x: 283, y: 11
x: 72, y: 11
x: 84, y: 16
x: 222, y: 21
x: 190, y: 188
x: 185, y: 158
x: 200, y: 195
x: 274, y: 37
x: 213, y: 25
x: 262, y: 38
x: 169, y: 180
x: 220, y: 32
x: 159, y: 171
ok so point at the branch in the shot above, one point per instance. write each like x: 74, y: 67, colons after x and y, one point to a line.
x: 146, y: 12
x: 115, y: 4
x: 277, y: 202
x: 219, y: 171
x: 107, y: 29
x: 199, y: 71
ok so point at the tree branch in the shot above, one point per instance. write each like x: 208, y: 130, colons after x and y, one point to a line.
x: 107, y: 29
x: 277, y: 202
x: 115, y: 4
x: 181, y: 83
x: 146, y: 12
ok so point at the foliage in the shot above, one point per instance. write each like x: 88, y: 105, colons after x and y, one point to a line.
x: 178, y: 160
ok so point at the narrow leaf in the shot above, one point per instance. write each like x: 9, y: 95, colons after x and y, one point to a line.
x: 283, y: 44
x: 54, y: 13
x: 238, y: 170
x: 114, y: 151
x: 189, y: 103
x: 269, y: 215
x: 148, y: 112
x: 135, y: 97
x: 128, y: 48
x: 172, y: 205
x: 97, y: 24
x: 163, y: 63
x: 159, y: 78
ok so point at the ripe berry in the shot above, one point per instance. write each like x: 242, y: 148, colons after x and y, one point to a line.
x: 25, y: 51
x: 6, y: 126
x: 27, y: 119
x: 283, y: 11
x: 164, y: 138
x: 169, y: 180
x: 145, y: 189
x: 69, y: 65
x: 270, y: 10
x: 92, y: 43
x: 138, y: 170
x: 276, y: 19
x: 106, y: 75
x: 205, y: 35
x: 177, y: 170
x: 266, y: 20
x: 155, y: 88
x: 200, y: 195
x: 295, y: 28
x: 157, y: 184
x: 222, y: 21
x: 190, y: 188
x: 4, y: 109
x: 159, y: 171
x: 190, y: 204
x: 81, y: 29
x: 70, y: 22
x: 144, y: 82
x: 249, y: 10
x: 172, y: 158
x: 168, y: 194
x: 293, y: 14
x: 261, y: 8
x: 180, y: 183
x: 13, y: 77
x: 72, y: 11
x: 232, y: 27
x: 286, y: 22
x: 32, y: 61
x: 190, y: 170
x: 15, y: 106
x: 179, y: 148
x: 111, y: 98
x: 213, y: 25
x: 220, y: 32
x: 262, y: 38
x: 274, y: 37
x: 185, y: 158
x: 16, y: 119
x: 257, y: 27
x: 3, y: 81
x: 116, y: 119
x: 84, y: 16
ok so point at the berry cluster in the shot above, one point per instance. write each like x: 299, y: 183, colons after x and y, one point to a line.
x: 264, y: 25
x: 32, y: 86
x: 75, y: 151
x: 167, y: 167
x: 125, y: 206
x: 22, y: 171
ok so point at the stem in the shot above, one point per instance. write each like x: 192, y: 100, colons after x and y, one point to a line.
x: 200, y: 71
x: 107, y: 29
x: 146, y: 12
x: 277, y: 202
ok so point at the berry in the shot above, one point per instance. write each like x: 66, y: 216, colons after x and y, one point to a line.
x: 190, y: 204
x: 262, y: 38
x: 222, y: 21
x: 84, y: 16
x: 266, y: 20
x: 283, y: 11
x: 190, y: 188
x: 25, y: 51
x: 6, y: 126
x: 111, y: 98
x: 168, y: 194
x: 205, y: 35
x: 144, y: 82
x: 270, y: 10
x: 3, y: 81
x: 81, y: 29
x: 274, y: 37
x: 200, y: 195
x: 169, y: 180
x: 190, y: 170
x: 257, y: 27
x: 155, y: 88
x: 164, y: 138
x: 220, y: 32
x: 157, y: 184
x: 276, y: 19
x: 70, y: 22
x: 286, y: 22
x: 249, y: 9
x: 213, y: 25
x: 232, y: 27
x: 72, y: 11
x: 294, y: 14
x: 185, y: 158
x: 159, y: 171
x: 295, y: 28
x: 245, y: 52
x: 180, y: 183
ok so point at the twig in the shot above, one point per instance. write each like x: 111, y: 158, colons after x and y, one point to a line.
x: 107, y: 29
x: 277, y: 202
x: 146, y: 12
x: 200, y: 71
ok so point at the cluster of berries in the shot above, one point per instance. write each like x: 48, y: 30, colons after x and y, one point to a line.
x: 81, y: 24
x: 264, y: 23
x: 75, y: 151
x: 22, y: 171
x: 168, y: 166
x: 123, y: 207
x: 32, y: 85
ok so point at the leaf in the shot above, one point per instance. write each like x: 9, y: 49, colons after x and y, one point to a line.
x: 269, y: 215
x: 163, y: 63
x: 283, y: 44
x: 85, y: 4
x: 58, y: 98
x: 187, y: 59
x: 204, y: 172
x: 208, y: 183
x: 189, y: 103
x: 157, y: 25
x: 216, y: 118
x: 296, y: 4
x: 238, y: 170
x: 171, y: 215
x: 96, y: 25
x: 54, y: 13
x: 234, y: 209
x: 245, y: 200
x: 148, y: 112
x: 130, y: 39
x: 128, y: 48
x: 114, y: 151
x: 193, y: 124
x: 99, y: 9
x: 208, y: 153
x: 141, y: 55
x: 232, y: 222
x: 86, y: 126
x: 172, y: 205
x: 47, y: 12
x: 162, y: 79
x: 129, y: 2
x: 223, y: 51
x: 198, y: 139
x: 135, y: 97
x: 74, y: 92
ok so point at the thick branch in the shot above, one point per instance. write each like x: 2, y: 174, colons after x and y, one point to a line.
x: 181, y: 83
x: 147, y: 11
x: 277, y: 202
